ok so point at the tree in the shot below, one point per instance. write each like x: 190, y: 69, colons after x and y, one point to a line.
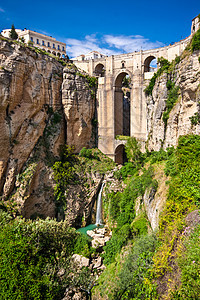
x: 13, y: 33
x: 133, y: 152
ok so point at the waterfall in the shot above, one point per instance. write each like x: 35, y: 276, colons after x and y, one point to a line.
x: 99, y: 202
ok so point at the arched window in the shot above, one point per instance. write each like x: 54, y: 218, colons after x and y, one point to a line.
x: 120, y: 155
x: 99, y: 70
x: 150, y: 64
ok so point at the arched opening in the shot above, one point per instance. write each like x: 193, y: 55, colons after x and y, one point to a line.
x: 150, y: 64
x: 49, y: 51
x: 122, y: 104
x: 120, y: 155
x: 54, y: 53
x: 63, y: 55
x: 99, y: 70
x: 58, y: 54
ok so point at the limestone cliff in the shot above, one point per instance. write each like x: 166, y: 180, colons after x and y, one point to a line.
x: 186, y: 76
x: 28, y: 82
x: 79, y: 107
x: 33, y: 127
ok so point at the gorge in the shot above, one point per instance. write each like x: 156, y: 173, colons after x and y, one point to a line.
x: 51, y: 172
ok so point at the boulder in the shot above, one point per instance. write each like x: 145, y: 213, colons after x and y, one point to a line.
x: 81, y: 260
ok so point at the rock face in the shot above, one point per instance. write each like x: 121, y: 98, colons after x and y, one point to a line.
x: 79, y: 108
x: 33, y: 127
x: 30, y: 83
x: 187, y: 77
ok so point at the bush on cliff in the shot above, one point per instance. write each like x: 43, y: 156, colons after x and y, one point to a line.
x: 32, y: 254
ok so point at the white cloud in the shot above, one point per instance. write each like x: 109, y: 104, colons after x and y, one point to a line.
x: 2, y: 10
x: 109, y: 44
x: 131, y: 43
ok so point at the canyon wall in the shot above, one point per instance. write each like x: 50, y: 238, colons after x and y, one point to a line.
x: 34, y: 125
x: 186, y: 76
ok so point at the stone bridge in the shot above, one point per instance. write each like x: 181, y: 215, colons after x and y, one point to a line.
x: 110, y: 108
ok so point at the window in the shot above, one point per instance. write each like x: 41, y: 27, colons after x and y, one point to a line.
x: 63, y: 48
x: 38, y: 41
x: 48, y: 44
x: 43, y: 44
x: 58, y: 47
x: 54, y: 46
x: 31, y: 39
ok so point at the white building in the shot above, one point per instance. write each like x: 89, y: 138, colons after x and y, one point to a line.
x: 195, y: 24
x: 47, y: 43
x: 89, y: 56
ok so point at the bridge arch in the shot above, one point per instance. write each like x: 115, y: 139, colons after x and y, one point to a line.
x: 99, y: 70
x: 122, y: 96
x: 147, y: 63
x: 120, y: 154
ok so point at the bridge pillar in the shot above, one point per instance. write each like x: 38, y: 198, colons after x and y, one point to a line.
x: 138, y: 107
x: 105, y: 111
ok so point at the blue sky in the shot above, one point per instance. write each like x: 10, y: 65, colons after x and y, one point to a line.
x: 111, y: 27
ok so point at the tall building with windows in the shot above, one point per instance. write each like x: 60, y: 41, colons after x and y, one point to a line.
x: 45, y: 42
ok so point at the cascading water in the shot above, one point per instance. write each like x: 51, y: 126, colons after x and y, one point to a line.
x: 99, y: 207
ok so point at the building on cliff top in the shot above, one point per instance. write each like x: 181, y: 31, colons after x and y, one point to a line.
x: 89, y: 56
x: 195, y: 24
x: 42, y: 41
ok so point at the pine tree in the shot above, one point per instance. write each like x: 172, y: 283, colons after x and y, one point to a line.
x: 13, y: 33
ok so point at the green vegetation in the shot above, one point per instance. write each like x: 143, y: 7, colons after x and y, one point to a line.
x: 195, y: 44
x: 171, y: 100
x: 138, y: 263
x: 35, y: 259
x: 64, y: 173
x: 189, y: 263
x: 164, y: 67
x: 121, y: 137
x: 195, y: 119
x: 13, y: 34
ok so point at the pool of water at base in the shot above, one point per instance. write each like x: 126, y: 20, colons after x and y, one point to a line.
x: 84, y: 230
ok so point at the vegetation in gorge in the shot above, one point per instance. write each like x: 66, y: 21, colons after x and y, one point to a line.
x: 142, y: 266
x: 173, y: 93
x: 35, y: 259
x: 73, y: 169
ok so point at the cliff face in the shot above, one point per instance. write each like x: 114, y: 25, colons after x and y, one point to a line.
x: 186, y: 76
x: 28, y: 82
x: 32, y: 124
x: 79, y: 107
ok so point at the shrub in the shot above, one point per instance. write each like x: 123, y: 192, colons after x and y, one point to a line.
x: 171, y: 100
x: 195, y: 119
x: 195, y: 45
x: 128, y: 169
x: 189, y: 263
x: 82, y: 245
x: 133, y: 152
x: 13, y: 34
x: 64, y: 172
x: 118, y: 240
x: 133, y: 278
x: 31, y: 255
x: 164, y: 66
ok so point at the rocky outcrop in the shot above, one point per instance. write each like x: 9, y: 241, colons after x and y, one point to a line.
x: 33, y: 126
x: 78, y: 98
x: 30, y: 83
x: 186, y: 75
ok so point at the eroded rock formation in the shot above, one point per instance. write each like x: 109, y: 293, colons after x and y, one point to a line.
x: 33, y: 128
x: 186, y: 75
x: 79, y: 108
